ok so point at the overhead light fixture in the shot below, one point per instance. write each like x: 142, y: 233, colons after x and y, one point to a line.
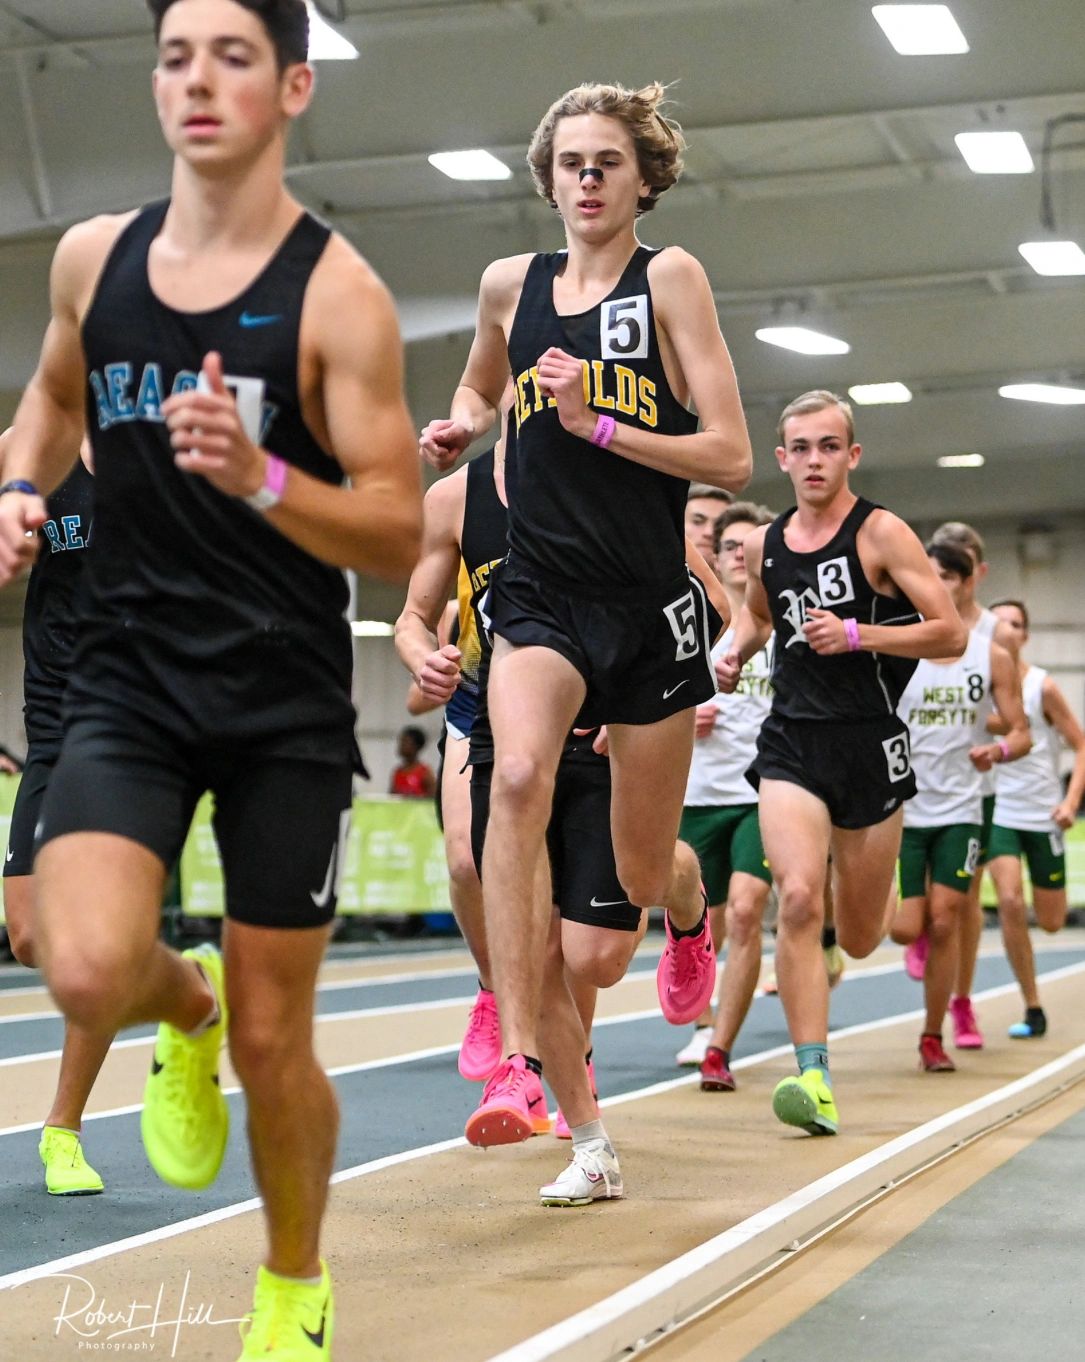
x: 325, y: 42
x: 1054, y: 257
x: 875, y: 394
x: 1056, y: 394
x: 961, y: 461
x: 921, y: 30
x: 995, y: 153
x: 372, y: 629
x: 802, y: 339
x: 470, y: 165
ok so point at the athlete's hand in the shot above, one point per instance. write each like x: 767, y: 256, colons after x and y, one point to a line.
x: 824, y: 632
x: 705, y: 718
x: 985, y: 755
x: 728, y: 670
x: 21, y: 517
x: 1064, y: 814
x: 442, y: 442
x: 439, y: 674
x: 562, y: 377
x: 209, y: 438
x: 600, y: 744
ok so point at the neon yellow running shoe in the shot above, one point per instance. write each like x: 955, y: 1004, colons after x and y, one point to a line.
x: 806, y: 1101
x: 67, y: 1173
x: 834, y: 964
x: 291, y: 1321
x: 185, y: 1121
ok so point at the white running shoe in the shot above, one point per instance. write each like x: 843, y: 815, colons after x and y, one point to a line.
x: 593, y: 1175
x: 692, y: 1055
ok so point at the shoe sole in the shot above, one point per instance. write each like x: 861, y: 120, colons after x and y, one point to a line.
x: 795, y: 1107
x: 76, y: 1191
x: 500, y: 1125
x: 968, y: 1044
x: 717, y: 1085
x: 949, y: 1068
x: 563, y: 1202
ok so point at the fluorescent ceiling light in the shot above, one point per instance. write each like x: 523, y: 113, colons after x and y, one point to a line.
x: 1057, y: 395
x: 874, y: 394
x: 325, y: 42
x: 372, y: 629
x: 921, y: 30
x: 802, y: 339
x: 470, y: 165
x: 961, y: 461
x: 1054, y: 257
x: 995, y: 153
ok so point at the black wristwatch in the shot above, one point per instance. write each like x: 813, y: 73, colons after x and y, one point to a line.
x: 20, y: 485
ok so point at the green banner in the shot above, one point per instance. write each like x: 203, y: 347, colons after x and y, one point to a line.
x: 9, y: 786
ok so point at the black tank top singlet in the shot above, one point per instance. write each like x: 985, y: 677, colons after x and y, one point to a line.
x: 842, y: 687
x: 199, y: 613
x: 578, y: 513
x: 483, y: 544
x: 51, y: 612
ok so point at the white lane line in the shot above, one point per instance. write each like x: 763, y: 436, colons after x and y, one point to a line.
x: 690, y: 1285
x: 100, y: 1251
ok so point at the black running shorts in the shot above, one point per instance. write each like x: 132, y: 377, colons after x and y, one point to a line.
x: 280, y: 822
x: 40, y: 760
x: 643, y: 655
x: 861, y: 772
x: 585, y: 882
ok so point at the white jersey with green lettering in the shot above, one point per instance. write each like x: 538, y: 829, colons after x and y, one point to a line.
x: 1028, y: 789
x: 940, y: 705
x: 717, y: 774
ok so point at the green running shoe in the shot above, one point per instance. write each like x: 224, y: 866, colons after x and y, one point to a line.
x: 67, y: 1173
x: 806, y: 1101
x: 185, y: 1121
x: 290, y: 1321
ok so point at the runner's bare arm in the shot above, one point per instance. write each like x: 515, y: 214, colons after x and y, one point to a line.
x: 716, y: 594
x: 476, y: 400
x: 1006, y: 693
x: 434, y: 666
x: 719, y: 453
x: 351, y: 382
x: 1059, y: 714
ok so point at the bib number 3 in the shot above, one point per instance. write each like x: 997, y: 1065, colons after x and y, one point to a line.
x: 897, y: 758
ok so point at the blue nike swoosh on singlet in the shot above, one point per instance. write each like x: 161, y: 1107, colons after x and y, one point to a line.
x: 251, y: 319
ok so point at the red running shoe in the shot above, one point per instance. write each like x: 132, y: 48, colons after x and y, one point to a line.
x: 932, y: 1057
x: 686, y: 976
x: 715, y: 1075
x: 513, y: 1107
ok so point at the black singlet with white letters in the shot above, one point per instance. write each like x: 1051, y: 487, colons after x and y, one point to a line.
x: 198, y: 614
x: 578, y: 513
x: 51, y: 612
x: 840, y: 687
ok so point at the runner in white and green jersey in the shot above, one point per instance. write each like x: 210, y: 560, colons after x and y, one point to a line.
x: 719, y: 817
x: 1031, y: 816
x: 943, y: 822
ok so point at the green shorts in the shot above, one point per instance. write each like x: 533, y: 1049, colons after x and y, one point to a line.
x: 988, y: 824
x: 948, y: 856
x: 1044, y: 851
x: 726, y: 839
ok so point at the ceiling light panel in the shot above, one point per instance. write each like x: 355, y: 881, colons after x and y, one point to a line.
x: 961, y: 461
x: 1055, y: 394
x: 327, y: 43
x: 1054, y: 257
x: 995, y: 153
x: 877, y: 394
x: 470, y: 165
x: 921, y: 30
x: 803, y: 340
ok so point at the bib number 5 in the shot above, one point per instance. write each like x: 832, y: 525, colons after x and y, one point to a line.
x: 682, y: 617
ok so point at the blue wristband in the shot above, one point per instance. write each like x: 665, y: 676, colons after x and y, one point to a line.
x: 20, y: 485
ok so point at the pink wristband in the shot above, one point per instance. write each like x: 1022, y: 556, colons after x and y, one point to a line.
x: 605, y: 427
x: 1004, y: 748
x: 851, y: 634
x: 270, y: 493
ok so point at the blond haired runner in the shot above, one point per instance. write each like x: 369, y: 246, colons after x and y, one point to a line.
x: 843, y: 583
x: 610, y: 345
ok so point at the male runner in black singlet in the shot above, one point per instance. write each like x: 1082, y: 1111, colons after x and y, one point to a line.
x: 608, y: 344
x: 49, y: 624
x: 840, y: 580
x: 234, y: 361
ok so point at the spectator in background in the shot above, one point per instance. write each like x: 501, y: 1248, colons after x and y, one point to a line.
x: 412, y: 777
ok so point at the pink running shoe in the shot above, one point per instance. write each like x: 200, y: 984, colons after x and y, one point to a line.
x: 915, y: 958
x: 686, y: 976
x: 513, y: 1107
x: 966, y: 1032
x: 561, y: 1126
x: 480, y: 1053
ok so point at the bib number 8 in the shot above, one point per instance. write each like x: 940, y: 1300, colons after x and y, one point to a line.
x: 897, y: 759
x: 682, y: 617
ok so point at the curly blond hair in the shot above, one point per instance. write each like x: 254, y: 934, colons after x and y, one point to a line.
x: 658, y: 140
